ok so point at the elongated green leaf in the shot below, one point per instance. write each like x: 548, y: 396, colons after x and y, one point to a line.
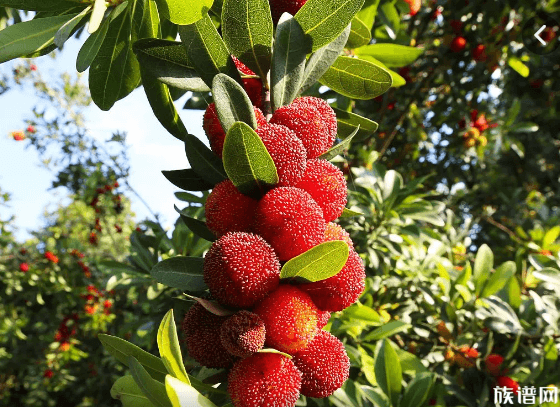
x: 368, y: 12
x: 145, y: 20
x: 207, y: 51
x: 398, y: 80
x: 196, y: 226
x: 356, y: 78
x: 169, y: 63
x: 322, y: 59
x: 248, y: 32
x: 418, y: 390
x: 360, y: 34
x: 169, y: 350
x: 184, y: 273
x: 68, y: 28
x: 288, y: 61
x: 183, y: 12
x: 387, y: 330
x: 183, y: 395
x: 340, y: 147
x: 318, y: 263
x: 391, y: 55
x: 152, y: 389
x: 347, y: 213
x: 388, y: 371
x: 499, y: 279
x: 247, y: 162
x: 390, y: 17
x: 518, y: 66
x: 30, y: 36
x: 187, y: 180
x: 348, y: 123
x: 203, y: 161
x: 483, y: 263
x: 127, y: 391
x: 40, y: 5
x: 188, y: 197
x: 376, y: 396
x: 97, y: 14
x: 121, y: 349
x: 324, y: 20
x: 232, y: 103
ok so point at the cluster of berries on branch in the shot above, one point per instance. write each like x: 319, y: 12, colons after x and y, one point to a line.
x: 474, y: 135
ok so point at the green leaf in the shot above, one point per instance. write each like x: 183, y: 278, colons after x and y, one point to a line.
x: 169, y: 63
x: 196, y: 226
x: 376, y: 396
x: 390, y: 17
x: 388, y: 373
x: 30, y: 36
x: 247, y: 162
x: 410, y: 364
x: 288, y: 61
x: 340, y: 147
x: 97, y: 15
x: 114, y: 72
x: 398, y: 80
x: 318, y: 263
x: 232, y: 103
x: 347, y: 213
x: 322, y: 59
x: 391, y: 55
x: 145, y: 20
x: 121, y: 349
x: 169, y: 350
x: 418, y: 390
x: 499, y: 279
x: 68, y: 28
x: 324, y: 20
x: 203, y: 161
x: 40, y: 5
x: 187, y: 180
x: 127, y: 391
x: 348, y: 123
x: 248, y: 32
x: 207, y: 51
x: 360, y: 34
x: 184, y: 273
x: 387, y: 330
x: 483, y: 264
x: 356, y: 78
x: 183, y: 12
x: 368, y: 12
x: 91, y: 46
x: 183, y: 395
x: 524, y: 127
x: 518, y: 66
x: 152, y: 389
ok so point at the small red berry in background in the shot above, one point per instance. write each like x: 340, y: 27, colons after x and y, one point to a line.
x: 48, y: 373
x: 458, y: 44
x: 93, y: 238
x: 107, y: 304
x: 90, y: 309
x: 33, y: 67
x: 414, y: 6
x: 118, y: 228
x: 116, y: 184
x: 505, y: 381
x: 24, y: 267
x: 479, y: 53
x: 494, y: 364
x: 23, y: 251
x: 64, y: 347
x: 51, y: 257
x: 18, y: 135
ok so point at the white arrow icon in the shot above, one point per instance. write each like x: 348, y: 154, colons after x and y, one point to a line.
x: 538, y: 33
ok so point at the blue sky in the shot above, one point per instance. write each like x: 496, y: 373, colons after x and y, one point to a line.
x: 151, y: 149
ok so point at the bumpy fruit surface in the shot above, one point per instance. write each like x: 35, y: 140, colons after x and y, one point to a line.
x: 324, y: 364
x: 202, y: 331
x: 279, y: 7
x: 243, y: 334
x: 253, y: 86
x: 458, y: 44
x: 414, y: 6
x: 287, y: 152
x: 505, y: 381
x: 494, y: 364
x: 290, y: 317
x: 240, y: 269
x: 341, y: 290
x: 290, y: 220
x: 264, y: 380
x: 313, y: 121
x: 327, y: 186
x: 335, y: 232
x: 214, y: 130
x: 228, y: 210
x: 323, y: 318
x: 479, y: 53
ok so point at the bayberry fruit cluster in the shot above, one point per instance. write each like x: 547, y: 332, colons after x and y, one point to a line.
x: 242, y: 269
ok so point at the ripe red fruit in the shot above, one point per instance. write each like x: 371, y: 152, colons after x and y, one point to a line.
x: 243, y: 334
x: 339, y: 291
x: 414, y: 6
x: 290, y: 220
x: 18, y: 135
x: 240, y: 269
x: 327, y: 186
x: 481, y: 123
x: 494, y: 364
x: 264, y: 380
x: 51, y: 257
x: 253, y: 86
x: 93, y: 238
x: 335, y: 232
x: 324, y: 364
x: 505, y: 381
x: 107, y: 304
x: 48, y: 373
x: 290, y: 318
x: 323, y: 319
x: 202, y: 331
x: 458, y: 44
x: 214, y: 131
x: 279, y: 7
x: 479, y: 53
x: 313, y: 121
x: 24, y: 267
x: 228, y: 210
x: 30, y: 129
x: 287, y: 152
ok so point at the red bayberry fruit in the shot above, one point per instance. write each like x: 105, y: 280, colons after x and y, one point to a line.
x: 414, y: 6
x: 33, y: 67
x: 31, y: 129
x: 64, y: 347
x: 93, y: 238
x: 214, y: 131
x: 339, y: 291
x: 240, y: 269
x: 324, y: 365
x: 327, y: 186
x: 458, y: 44
x: 323, y: 319
x: 290, y: 318
x: 494, y: 364
x: 202, y: 332
x: 107, y: 304
x: 313, y: 121
x: 51, y: 257
x: 228, y: 210
x: 90, y: 309
x: 48, y: 373
x: 505, y: 381
x: 264, y: 380
x: 243, y: 334
x: 253, y: 86
x: 287, y: 152
x: 334, y: 232
x: 479, y: 53
x: 24, y: 267
x: 290, y: 220
x: 481, y: 123
x: 18, y: 135
x: 279, y: 7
